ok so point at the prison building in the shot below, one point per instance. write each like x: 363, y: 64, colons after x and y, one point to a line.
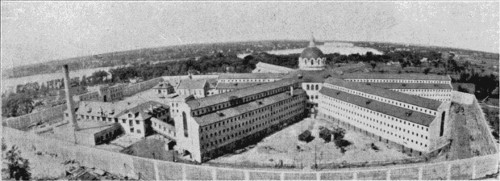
x: 411, y: 122
x: 135, y: 119
x: 435, y: 87
x: 210, y: 126
x: 164, y: 89
x: 196, y: 87
x: 249, y: 77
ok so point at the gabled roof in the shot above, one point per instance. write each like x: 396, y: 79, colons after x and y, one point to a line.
x: 240, y: 109
x: 396, y: 76
x: 394, y: 95
x: 117, y: 109
x: 388, y: 109
x: 192, y: 84
x: 224, y: 97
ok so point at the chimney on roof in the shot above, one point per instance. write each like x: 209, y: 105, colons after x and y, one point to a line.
x: 69, y: 101
x: 291, y: 90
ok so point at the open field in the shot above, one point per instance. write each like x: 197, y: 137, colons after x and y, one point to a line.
x: 285, y: 146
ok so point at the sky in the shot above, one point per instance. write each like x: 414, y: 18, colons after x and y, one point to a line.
x: 34, y: 32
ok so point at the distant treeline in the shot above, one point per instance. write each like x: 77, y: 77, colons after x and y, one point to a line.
x: 170, y: 53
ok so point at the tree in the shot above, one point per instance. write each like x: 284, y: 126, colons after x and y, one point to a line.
x: 99, y: 76
x: 19, y: 168
x: 17, y: 105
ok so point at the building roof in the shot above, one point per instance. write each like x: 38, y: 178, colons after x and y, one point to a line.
x: 192, y: 84
x: 273, y: 67
x: 410, y: 85
x: 240, y: 109
x: 394, y: 95
x: 388, y: 109
x: 236, y: 85
x: 117, y: 109
x: 311, y: 52
x: 396, y: 76
x: 252, y: 76
x: 224, y: 97
x: 92, y: 127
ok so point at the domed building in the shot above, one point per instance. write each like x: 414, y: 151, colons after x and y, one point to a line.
x: 312, y: 58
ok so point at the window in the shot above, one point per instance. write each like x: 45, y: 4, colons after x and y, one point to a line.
x: 184, y: 122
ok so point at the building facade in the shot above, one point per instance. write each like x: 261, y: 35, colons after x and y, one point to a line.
x: 413, y: 122
x: 208, y: 127
x: 135, y: 119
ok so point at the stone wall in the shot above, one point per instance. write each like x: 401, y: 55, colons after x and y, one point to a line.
x: 143, y: 168
x: 23, y: 122
x: 141, y: 86
x: 462, y: 98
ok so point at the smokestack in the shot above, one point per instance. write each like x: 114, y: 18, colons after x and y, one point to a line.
x: 69, y: 100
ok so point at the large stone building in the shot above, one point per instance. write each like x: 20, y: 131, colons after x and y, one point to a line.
x: 414, y: 122
x: 135, y: 119
x: 210, y: 126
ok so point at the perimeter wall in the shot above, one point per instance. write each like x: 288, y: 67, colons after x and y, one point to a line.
x: 142, y: 168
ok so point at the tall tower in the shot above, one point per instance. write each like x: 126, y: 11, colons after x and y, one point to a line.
x: 312, y: 58
x: 70, y: 113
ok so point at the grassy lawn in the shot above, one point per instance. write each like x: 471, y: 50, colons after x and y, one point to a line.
x: 284, y: 146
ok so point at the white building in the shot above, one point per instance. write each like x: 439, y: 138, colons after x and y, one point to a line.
x: 210, y: 126
x: 413, y: 122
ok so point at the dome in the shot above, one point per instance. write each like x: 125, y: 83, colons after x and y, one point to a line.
x: 311, y: 52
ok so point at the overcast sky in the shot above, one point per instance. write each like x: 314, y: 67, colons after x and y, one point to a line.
x: 35, y: 32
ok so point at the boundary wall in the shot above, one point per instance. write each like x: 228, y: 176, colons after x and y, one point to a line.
x: 141, y: 86
x: 24, y: 121
x: 462, y: 98
x: 150, y: 169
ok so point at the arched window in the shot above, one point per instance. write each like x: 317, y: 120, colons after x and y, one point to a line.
x: 442, y: 123
x: 184, y: 122
x: 317, y: 87
x: 312, y: 61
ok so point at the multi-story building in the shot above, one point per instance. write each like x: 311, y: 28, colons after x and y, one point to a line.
x: 135, y: 119
x: 414, y: 122
x: 435, y: 87
x: 208, y: 127
x: 164, y: 89
x: 102, y: 93
x: 196, y: 87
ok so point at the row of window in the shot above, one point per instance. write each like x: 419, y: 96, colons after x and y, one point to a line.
x: 228, y: 137
x: 312, y: 61
x: 341, y: 112
x: 253, y: 112
x: 124, y: 121
x: 313, y: 87
x: 382, y: 99
x: 423, y: 90
x: 331, y: 101
x: 247, y: 80
x: 383, y: 123
x: 400, y: 81
x: 223, y: 105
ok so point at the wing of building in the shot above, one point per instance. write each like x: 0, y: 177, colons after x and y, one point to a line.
x: 413, y: 122
x: 210, y: 126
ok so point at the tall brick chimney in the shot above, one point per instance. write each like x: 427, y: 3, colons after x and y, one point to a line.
x: 69, y: 100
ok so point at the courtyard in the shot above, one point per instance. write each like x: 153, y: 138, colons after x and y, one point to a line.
x: 283, y: 148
